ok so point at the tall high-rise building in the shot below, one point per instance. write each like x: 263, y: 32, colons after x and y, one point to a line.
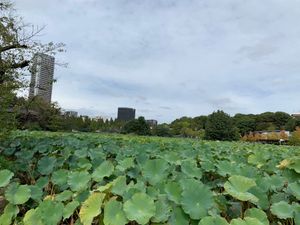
x: 42, y: 77
x: 126, y: 114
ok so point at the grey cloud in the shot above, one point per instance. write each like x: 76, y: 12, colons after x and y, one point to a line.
x: 172, y: 58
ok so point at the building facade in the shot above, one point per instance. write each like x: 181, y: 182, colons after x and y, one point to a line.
x: 71, y: 114
x: 152, y: 123
x: 42, y: 77
x: 126, y: 114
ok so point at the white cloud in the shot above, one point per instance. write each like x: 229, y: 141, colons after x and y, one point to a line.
x: 170, y: 58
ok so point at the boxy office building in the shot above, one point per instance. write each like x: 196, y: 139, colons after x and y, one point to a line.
x: 126, y: 114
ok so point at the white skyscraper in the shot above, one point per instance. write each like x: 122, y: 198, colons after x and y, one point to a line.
x: 42, y: 77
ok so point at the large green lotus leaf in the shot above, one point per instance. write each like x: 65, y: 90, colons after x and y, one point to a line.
x: 9, y: 213
x: 17, y: 194
x: 42, y: 182
x: 213, y: 220
x: 84, y: 164
x: 119, y: 186
x: 46, y: 165
x: 237, y: 186
x: 172, y: 158
x: 226, y: 168
x: 64, y: 196
x: 155, y: 171
x: 275, y: 182
x: 259, y: 158
x: 173, y: 191
x: 50, y: 212
x: 5, y: 176
x: 114, y: 214
x: 140, y: 208
x: 295, y: 164
x: 282, y: 210
x: 257, y: 214
x: 91, y: 208
x: 178, y: 217
x: 196, y: 199
x: 125, y: 164
x: 32, y: 217
x: 69, y: 209
x: 263, y: 200
x: 36, y: 192
x: 105, y: 187
x: 153, y: 192
x: 78, y: 180
x: 295, y: 189
x: 246, y: 221
x: 81, y: 153
x: 190, y: 169
x: 296, y: 207
x: 60, y: 177
x: 104, y: 170
x: 163, y: 210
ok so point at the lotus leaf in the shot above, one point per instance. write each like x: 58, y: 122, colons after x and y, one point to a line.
x: 282, y: 210
x: 125, y: 164
x: 17, y: 194
x: 295, y: 189
x: 36, y: 192
x: 140, y: 208
x: 178, y: 217
x: 64, y: 196
x: 246, y: 221
x: 5, y: 176
x: 60, y: 177
x: 155, y: 170
x: 104, y: 170
x: 257, y: 214
x: 69, y: 209
x: 31, y: 217
x: 237, y: 186
x: 46, y: 165
x: 114, y: 214
x: 78, y: 180
x: 50, y: 212
x: 210, y: 220
x: 196, y: 199
x: 91, y: 208
x: 190, y: 169
x: 119, y: 186
x: 173, y: 191
x: 10, y: 212
x: 163, y: 210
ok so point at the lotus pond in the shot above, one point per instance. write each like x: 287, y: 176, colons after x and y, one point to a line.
x: 61, y: 178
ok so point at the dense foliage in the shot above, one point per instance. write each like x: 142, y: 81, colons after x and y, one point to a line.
x: 220, y: 126
x: 18, y: 45
x: 57, y: 178
x: 137, y: 126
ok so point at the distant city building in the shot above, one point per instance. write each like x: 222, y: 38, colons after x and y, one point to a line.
x: 42, y: 77
x: 296, y: 115
x: 71, y: 113
x: 152, y: 123
x: 126, y: 114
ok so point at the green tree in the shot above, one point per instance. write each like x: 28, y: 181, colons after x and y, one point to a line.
x: 18, y: 45
x: 245, y: 123
x: 162, y: 130
x: 137, y: 126
x: 220, y: 126
x: 280, y: 119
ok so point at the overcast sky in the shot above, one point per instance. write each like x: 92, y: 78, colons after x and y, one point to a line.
x: 173, y: 58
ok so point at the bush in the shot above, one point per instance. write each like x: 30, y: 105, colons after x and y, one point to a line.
x: 220, y: 126
x: 295, y: 138
x: 137, y: 126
